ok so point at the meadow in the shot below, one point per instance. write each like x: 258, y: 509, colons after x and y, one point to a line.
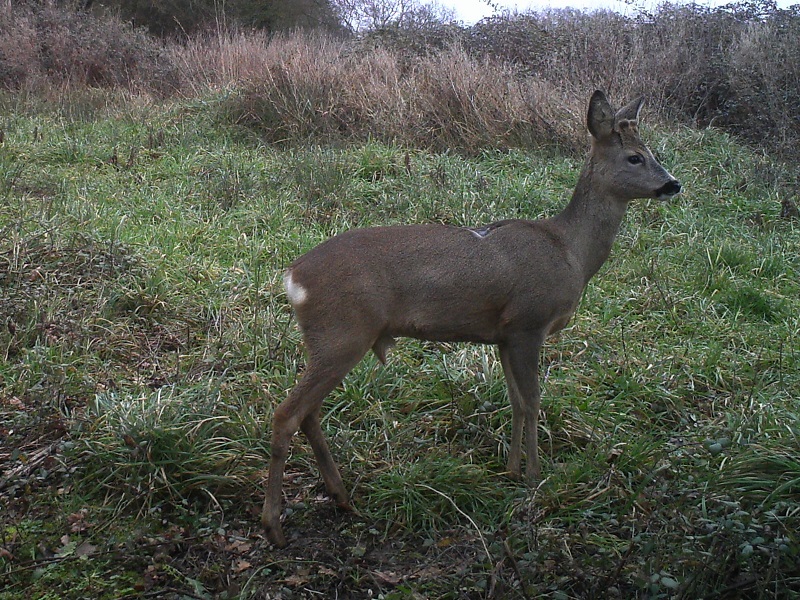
x: 146, y: 339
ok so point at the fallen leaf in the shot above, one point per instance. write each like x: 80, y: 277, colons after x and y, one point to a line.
x: 241, y: 565
x: 295, y: 580
x: 428, y: 573
x: 77, y: 521
x: 388, y: 577
x: 16, y: 402
x: 85, y: 549
x: 68, y: 549
x: 239, y: 546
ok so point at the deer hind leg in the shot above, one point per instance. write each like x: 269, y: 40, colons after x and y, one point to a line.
x: 517, y: 416
x: 301, y: 411
x: 520, y: 361
x: 327, y: 467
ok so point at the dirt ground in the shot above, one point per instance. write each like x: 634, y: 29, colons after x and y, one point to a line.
x: 59, y: 542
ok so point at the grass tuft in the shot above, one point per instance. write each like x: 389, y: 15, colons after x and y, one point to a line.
x: 170, y: 445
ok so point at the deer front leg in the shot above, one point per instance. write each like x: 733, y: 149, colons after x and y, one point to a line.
x: 520, y: 360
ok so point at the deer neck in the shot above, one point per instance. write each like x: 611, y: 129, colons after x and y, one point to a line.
x: 591, y: 220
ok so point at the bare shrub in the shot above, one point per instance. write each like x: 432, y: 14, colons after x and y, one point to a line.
x: 179, y: 18
x: 764, y: 71
x: 18, y: 48
x: 295, y: 93
x: 455, y: 101
x: 212, y: 61
x: 586, y: 51
x: 734, y: 66
x: 312, y: 86
x: 412, y: 40
x: 496, y: 83
x: 524, y: 40
x: 653, y: 54
x: 52, y: 46
x: 436, y: 84
x: 682, y: 60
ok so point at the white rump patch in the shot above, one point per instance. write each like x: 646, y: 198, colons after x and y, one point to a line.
x: 296, y: 292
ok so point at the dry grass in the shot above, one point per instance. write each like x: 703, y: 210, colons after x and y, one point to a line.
x: 311, y: 86
x: 506, y: 82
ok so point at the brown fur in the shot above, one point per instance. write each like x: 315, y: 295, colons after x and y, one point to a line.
x: 513, y: 285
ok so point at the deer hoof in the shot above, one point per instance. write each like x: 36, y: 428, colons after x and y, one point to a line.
x: 532, y: 477
x: 275, y: 536
x: 272, y: 527
x: 344, y: 505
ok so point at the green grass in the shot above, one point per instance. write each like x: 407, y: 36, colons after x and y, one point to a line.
x: 146, y: 340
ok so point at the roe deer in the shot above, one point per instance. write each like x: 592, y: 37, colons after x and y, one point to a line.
x: 511, y: 283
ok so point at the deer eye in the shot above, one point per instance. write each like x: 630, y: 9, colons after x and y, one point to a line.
x: 635, y: 159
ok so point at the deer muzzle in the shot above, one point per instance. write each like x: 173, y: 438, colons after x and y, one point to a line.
x: 668, y: 190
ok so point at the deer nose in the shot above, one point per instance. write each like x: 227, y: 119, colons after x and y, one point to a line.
x: 668, y: 189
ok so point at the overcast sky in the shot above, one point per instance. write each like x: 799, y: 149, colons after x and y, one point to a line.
x: 471, y: 11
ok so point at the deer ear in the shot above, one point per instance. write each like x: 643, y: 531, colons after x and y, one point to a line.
x: 600, y: 119
x: 630, y: 112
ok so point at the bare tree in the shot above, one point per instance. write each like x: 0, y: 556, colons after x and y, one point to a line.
x: 171, y: 17
x: 360, y: 15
